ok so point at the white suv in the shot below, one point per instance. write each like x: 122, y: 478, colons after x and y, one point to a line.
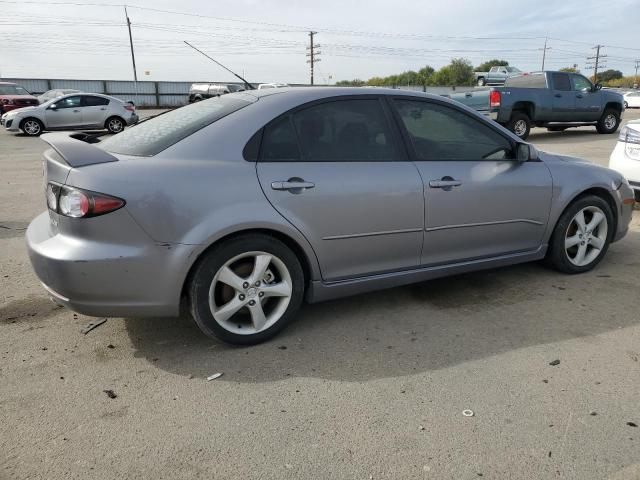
x: 72, y: 112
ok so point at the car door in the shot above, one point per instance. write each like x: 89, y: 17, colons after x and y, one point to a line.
x: 94, y: 110
x: 336, y: 171
x: 588, y: 100
x: 65, y: 113
x: 479, y: 201
x: 563, y: 98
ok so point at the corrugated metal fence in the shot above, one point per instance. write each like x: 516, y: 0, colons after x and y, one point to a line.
x: 157, y: 94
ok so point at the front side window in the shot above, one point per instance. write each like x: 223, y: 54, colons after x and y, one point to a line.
x: 580, y: 83
x: 69, y: 102
x: 439, y: 132
x: 561, y: 81
x: 91, y: 101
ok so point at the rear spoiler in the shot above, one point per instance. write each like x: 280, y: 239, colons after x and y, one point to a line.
x: 75, y: 149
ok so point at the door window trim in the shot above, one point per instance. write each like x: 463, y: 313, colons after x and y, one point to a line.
x: 252, y: 152
x: 83, y: 102
x: 413, y: 156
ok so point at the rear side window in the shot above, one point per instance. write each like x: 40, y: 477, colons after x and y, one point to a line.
x: 561, y: 81
x: 439, y: 132
x: 534, y: 80
x: 159, y: 133
x: 94, y: 101
x: 334, y: 131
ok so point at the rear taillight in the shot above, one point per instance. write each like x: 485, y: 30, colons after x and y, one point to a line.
x: 77, y: 203
x: 494, y: 98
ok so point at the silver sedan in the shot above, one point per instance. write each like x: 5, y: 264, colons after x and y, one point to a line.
x: 246, y: 204
x: 85, y: 111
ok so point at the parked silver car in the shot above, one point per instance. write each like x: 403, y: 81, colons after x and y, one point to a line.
x: 245, y: 204
x: 84, y: 111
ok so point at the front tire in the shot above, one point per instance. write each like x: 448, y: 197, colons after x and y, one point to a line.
x: 246, y: 290
x: 115, y: 125
x: 32, y: 127
x: 582, y: 235
x: 626, y: 105
x: 520, y: 124
x: 609, y: 122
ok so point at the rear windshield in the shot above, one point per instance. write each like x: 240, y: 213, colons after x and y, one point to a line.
x: 534, y: 80
x: 12, y: 90
x: 156, y: 134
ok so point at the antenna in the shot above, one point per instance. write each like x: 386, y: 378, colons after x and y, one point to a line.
x: 247, y: 84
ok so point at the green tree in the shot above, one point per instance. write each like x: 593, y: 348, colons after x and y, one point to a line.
x: 350, y: 83
x: 570, y: 70
x: 486, y: 66
x: 458, y: 72
x: 609, y: 75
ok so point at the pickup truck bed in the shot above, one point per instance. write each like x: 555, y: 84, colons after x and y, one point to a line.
x: 556, y: 100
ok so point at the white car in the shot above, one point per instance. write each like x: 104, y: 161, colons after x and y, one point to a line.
x: 632, y: 99
x: 262, y: 86
x: 625, y: 157
x: 85, y: 111
x: 55, y: 93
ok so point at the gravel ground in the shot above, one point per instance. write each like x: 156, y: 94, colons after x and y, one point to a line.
x: 369, y: 387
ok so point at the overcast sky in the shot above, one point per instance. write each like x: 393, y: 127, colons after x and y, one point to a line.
x: 266, y: 39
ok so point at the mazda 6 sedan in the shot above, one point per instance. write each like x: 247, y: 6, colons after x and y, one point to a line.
x: 247, y: 204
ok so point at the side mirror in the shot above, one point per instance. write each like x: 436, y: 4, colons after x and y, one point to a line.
x: 586, y: 90
x: 597, y: 86
x: 52, y: 106
x: 526, y: 152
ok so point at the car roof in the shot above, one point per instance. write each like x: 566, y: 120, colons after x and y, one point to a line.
x: 80, y: 94
x: 310, y: 93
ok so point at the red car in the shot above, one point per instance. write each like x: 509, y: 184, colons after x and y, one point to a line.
x: 13, y: 96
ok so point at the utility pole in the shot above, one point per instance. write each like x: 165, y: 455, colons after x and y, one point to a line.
x: 133, y: 56
x: 597, y: 62
x: 313, y: 53
x: 637, y: 65
x: 544, y: 51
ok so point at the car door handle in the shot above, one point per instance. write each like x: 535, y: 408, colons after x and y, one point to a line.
x: 76, y: 111
x: 291, y: 185
x: 468, y: 94
x: 103, y: 108
x: 447, y: 184
x: 557, y: 95
x: 579, y: 96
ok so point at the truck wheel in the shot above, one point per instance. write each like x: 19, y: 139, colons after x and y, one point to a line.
x: 609, y: 122
x: 482, y: 82
x: 520, y: 124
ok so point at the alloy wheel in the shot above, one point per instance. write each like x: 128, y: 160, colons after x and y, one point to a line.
x: 610, y: 121
x: 32, y: 127
x: 520, y: 128
x: 250, y: 292
x: 115, y: 125
x: 586, y: 236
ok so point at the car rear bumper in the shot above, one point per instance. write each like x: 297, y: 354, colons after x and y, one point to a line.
x: 133, y: 119
x: 103, y: 278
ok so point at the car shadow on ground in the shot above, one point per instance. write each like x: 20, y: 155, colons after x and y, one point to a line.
x: 418, y: 328
x: 571, y: 134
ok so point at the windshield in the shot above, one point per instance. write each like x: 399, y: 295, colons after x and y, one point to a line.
x: 163, y: 131
x: 12, y: 90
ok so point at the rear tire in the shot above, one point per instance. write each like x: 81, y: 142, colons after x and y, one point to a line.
x: 481, y: 82
x: 32, y: 127
x: 520, y: 124
x: 626, y: 105
x: 115, y: 125
x: 246, y: 290
x: 609, y: 122
x: 582, y: 235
